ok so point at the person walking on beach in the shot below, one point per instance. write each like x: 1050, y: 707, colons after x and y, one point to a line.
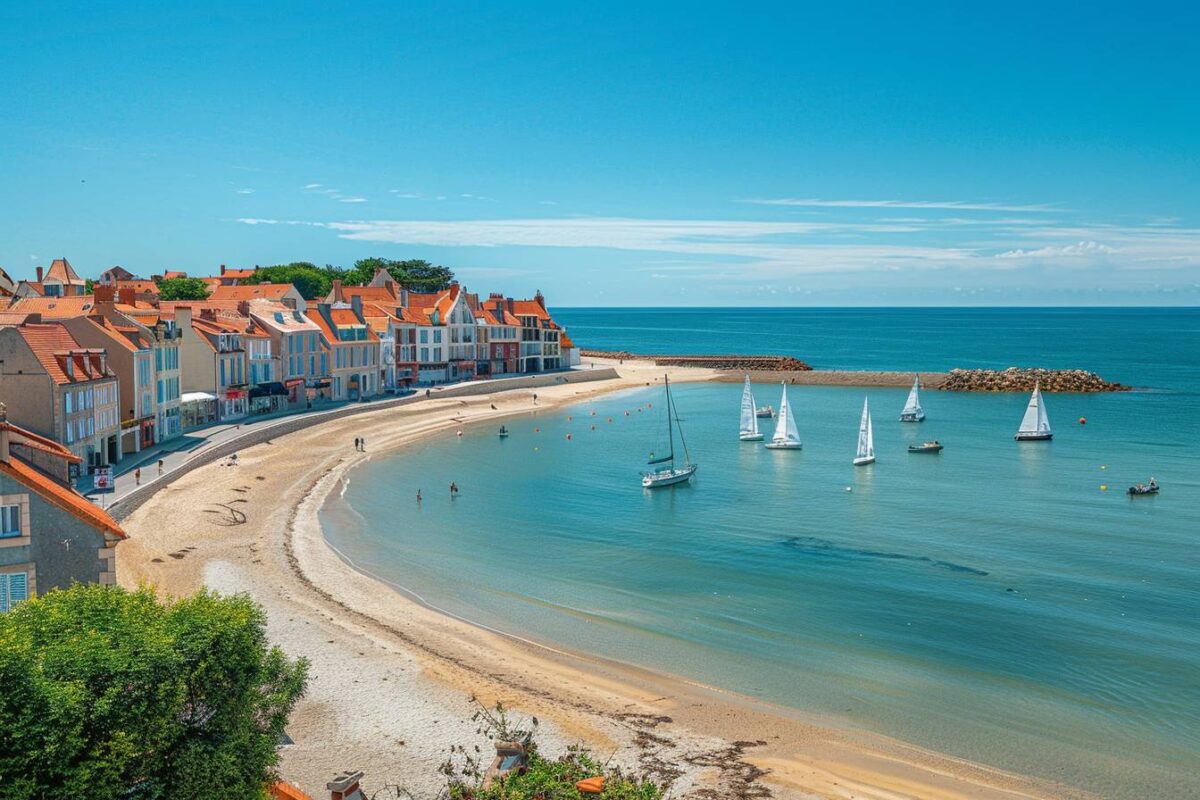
x: 160, y: 466
x: 137, y: 476
x: 362, y: 444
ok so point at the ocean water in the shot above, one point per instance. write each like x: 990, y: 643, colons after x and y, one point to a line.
x: 993, y: 602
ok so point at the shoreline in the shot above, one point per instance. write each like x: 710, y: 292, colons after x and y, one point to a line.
x: 322, y: 607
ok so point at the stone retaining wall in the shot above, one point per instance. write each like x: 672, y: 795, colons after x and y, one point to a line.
x: 736, y: 363
x: 1016, y: 379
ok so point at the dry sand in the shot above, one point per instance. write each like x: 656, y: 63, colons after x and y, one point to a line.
x: 391, y: 679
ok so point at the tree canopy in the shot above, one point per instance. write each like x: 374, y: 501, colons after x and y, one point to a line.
x: 182, y: 289
x: 310, y: 280
x: 413, y: 273
x: 107, y: 693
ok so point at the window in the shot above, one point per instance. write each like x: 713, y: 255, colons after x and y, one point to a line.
x: 10, y: 521
x: 14, y: 588
x: 68, y: 403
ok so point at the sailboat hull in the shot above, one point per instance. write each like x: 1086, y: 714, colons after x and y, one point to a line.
x: 1034, y: 437
x: 667, y: 477
x: 917, y: 417
x: 750, y: 437
x: 862, y: 462
x: 783, y: 445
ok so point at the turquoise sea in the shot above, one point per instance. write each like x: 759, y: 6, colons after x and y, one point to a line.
x: 992, y: 602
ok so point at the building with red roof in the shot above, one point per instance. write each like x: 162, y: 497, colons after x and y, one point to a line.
x: 352, y: 348
x: 50, y: 535
x: 60, y: 389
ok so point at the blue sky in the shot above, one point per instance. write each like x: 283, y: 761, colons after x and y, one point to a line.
x: 614, y: 154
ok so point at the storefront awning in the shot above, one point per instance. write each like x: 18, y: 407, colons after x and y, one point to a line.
x: 267, y: 389
x: 196, y: 397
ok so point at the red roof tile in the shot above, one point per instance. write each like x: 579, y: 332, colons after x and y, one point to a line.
x: 56, y: 494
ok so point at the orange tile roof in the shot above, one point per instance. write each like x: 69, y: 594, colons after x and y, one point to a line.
x: 376, y: 293
x: 169, y: 274
x: 340, y: 317
x: 20, y: 436
x: 285, y: 791
x: 13, y: 317
x: 565, y: 341
x: 447, y: 301
x: 423, y: 299
x: 47, y: 341
x: 529, y: 308
x: 416, y: 316
x: 56, y: 494
x: 251, y: 291
x: 55, y: 307
x: 139, y: 285
x: 236, y: 273
x: 61, y: 269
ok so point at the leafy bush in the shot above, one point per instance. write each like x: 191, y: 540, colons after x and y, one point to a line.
x: 106, y: 693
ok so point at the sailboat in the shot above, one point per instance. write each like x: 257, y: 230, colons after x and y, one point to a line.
x: 866, y: 439
x: 749, y: 431
x: 912, y: 409
x: 786, y: 436
x: 1035, y: 425
x: 670, y: 475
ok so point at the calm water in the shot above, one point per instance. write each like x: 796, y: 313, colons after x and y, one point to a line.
x: 992, y: 602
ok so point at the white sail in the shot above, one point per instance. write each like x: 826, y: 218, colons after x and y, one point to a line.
x: 1035, y: 420
x: 912, y: 409
x: 749, y: 426
x: 785, y: 426
x: 866, y: 436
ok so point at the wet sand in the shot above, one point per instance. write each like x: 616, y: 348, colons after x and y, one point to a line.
x: 391, y: 678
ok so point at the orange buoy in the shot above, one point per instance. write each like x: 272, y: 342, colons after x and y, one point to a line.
x: 591, y: 785
x: 1083, y: 420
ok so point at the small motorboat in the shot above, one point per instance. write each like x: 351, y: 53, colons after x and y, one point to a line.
x: 1143, y: 488
x: 503, y: 433
x: 764, y: 412
x: 926, y: 447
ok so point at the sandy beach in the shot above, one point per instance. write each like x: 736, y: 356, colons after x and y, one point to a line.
x: 391, y: 678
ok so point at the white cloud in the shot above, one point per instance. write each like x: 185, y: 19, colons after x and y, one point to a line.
x: 312, y: 186
x: 1078, y: 249
x: 245, y: 191
x: 352, y: 199
x: 958, y: 205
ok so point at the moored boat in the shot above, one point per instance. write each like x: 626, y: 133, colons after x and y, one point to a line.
x: 912, y: 409
x: 866, y: 439
x: 786, y: 436
x: 672, y: 474
x: 926, y: 447
x: 503, y: 432
x: 748, y: 430
x: 764, y: 412
x: 1139, y: 489
x: 1035, y: 425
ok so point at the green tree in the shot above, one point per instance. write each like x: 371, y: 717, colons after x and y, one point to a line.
x: 413, y: 273
x: 182, y: 289
x: 107, y: 693
x: 310, y: 280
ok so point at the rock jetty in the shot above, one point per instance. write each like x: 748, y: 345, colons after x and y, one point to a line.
x: 1017, y: 379
x: 721, y: 362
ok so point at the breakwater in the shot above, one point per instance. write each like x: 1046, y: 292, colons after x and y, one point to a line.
x: 1017, y: 379
x: 741, y: 363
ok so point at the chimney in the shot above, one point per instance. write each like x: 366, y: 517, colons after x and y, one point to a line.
x: 337, y: 290
x: 403, y: 297
x: 222, y: 269
x: 183, y: 319
x: 104, y: 294
x: 39, y: 274
x: 126, y: 295
x: 345, y: 786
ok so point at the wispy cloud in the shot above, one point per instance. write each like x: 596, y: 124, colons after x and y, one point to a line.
x: 1071, y: 250
x: 352, y: 199
x: 311, y: 186
x: 959, y: 205
x: 245, y: 191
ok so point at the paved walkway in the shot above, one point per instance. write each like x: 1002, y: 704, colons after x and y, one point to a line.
x: 178, y: 452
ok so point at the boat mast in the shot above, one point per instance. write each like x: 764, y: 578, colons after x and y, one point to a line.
x: 670, y: 430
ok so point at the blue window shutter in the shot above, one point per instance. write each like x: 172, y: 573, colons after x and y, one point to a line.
x: 18, y: 587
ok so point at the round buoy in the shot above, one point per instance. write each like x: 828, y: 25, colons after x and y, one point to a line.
x: 849, y: 488
x: 460, y: 433
x: 568, y: 437
x: 593, y: 427
x: 1083, y: 420
x: 537, y: 430
x: 1104, y: 487
x: 649, y: 405
x: 1104, y: 466
x: 610, y: 420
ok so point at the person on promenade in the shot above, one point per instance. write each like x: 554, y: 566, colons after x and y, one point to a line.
x: 160, y: 466
x: 137, y: 476
x: 362, y: 444
x: 356, y: 443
